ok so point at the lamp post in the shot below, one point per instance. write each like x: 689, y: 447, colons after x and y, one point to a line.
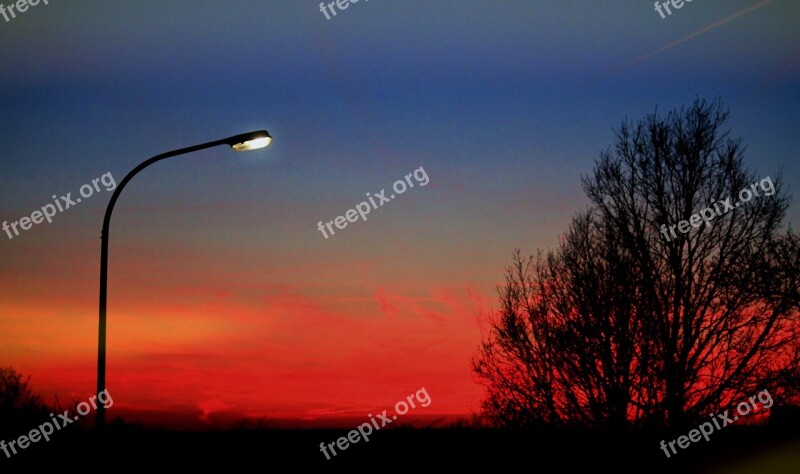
x: 243, y: 142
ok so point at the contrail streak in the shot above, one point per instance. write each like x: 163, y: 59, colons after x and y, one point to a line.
x: 684, y: 39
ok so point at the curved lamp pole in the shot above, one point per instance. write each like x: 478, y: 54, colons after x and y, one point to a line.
x: 243, y: 142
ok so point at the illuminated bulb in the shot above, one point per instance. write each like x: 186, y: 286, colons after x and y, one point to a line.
x: 254, y: 144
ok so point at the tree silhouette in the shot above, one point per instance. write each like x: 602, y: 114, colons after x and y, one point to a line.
x: 18, y: 406
x: 630, y: 321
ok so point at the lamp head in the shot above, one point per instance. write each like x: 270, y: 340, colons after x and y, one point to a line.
x: 250, y: 141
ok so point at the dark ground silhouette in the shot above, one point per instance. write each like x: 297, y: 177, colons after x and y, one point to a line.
x: 415, y: 449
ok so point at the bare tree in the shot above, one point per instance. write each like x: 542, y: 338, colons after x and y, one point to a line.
x: 631, y: 321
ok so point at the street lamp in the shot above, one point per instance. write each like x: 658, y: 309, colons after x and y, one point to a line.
x: 243, y: 142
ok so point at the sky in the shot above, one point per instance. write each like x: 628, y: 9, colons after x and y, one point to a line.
x: 224, y: 297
